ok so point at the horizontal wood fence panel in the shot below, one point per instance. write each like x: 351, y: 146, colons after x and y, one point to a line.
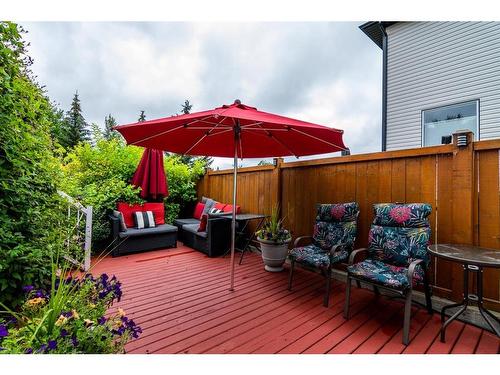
x: 462, y: 185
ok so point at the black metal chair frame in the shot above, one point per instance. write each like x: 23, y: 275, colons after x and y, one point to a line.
x: 405, y: 293
x: 327, y: 274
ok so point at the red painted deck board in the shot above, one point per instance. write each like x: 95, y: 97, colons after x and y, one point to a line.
x: 181, y: 300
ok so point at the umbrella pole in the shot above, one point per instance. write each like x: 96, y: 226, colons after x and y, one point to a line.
x: 233, y: 220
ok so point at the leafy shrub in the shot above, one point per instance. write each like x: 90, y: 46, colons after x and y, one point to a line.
x: 99, y: 176
x: 70, y: 318
x: 30, y: 211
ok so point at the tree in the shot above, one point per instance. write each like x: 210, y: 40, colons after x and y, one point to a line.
x: 264, y: 162
x: 142, y: 117
x: 186, y: 107
x: 109, y: 133
x: 76, y: 128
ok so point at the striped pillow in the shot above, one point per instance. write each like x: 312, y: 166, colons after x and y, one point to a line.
x: 144, y: 219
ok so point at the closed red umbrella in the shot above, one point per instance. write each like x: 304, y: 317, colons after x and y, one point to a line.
x: 237, y: 131
x: 150, y: 175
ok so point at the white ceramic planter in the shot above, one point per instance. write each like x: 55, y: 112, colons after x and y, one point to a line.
x: 273, y: 255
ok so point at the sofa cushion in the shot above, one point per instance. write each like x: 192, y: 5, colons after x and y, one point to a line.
x: 119, y: 215
x: 203, y: 223
x: 314, y: 256
x: 219, y: 206
x: 385, y: 274
x: 229, y: 208
x: 198, y: 210
x: 158, y: 211
x: 127, y: 211
x: 209, y: 203
x: 133, y: 232
x: 182, y: 222
x: 193, y: 228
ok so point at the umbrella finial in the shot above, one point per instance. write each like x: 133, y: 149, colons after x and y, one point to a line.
x: 237, y: 101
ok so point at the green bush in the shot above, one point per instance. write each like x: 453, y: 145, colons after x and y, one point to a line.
x: 70, y: 318
x: 99, y: 176
x: 30, y: 211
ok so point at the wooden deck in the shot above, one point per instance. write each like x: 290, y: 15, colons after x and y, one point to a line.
x: 181, y: 300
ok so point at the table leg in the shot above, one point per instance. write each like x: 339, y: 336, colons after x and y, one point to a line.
x: 250, y: 239
x: 485, y: 313
x: 464, y: 305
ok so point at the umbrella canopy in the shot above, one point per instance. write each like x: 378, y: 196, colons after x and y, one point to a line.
x: 150, y: 175
x: 237, y: 131
x: 212, y: 133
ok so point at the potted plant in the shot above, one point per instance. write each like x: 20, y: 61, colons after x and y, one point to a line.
x: 274, y: 240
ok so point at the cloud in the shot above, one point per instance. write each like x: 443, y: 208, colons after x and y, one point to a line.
x: 328, y: 73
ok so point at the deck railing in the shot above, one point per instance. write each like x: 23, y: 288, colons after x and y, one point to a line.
x: 80, y: 236
x: 462, y: 183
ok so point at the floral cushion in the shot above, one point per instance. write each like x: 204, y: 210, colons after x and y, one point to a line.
x: 314, y: 256
x: 337, y: 212
x: 399, y: 246
x: 336, y: 223
x: 385, y: 274
x: 412, y: 215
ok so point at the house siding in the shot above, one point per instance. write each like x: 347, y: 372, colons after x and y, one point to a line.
x: 432, y: 64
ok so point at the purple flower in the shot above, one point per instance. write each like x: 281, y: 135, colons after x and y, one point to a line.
x: 3, y: 331
x: 28, y: 288
x: 64, y: 333
x: 28, y: 351
x: 74, y: 341
x: 101, y: 320
x: 52, y: 345
x: 67, y: 314
x: 42, y: 349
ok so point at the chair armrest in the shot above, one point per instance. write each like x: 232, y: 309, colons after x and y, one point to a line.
x: 115, y: 225
x: 411, y: 269
x: 298, y: 239
x: 356, y: 252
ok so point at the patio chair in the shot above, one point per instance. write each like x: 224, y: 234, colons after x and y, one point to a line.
x: 333, y: 239
x: 397, y: 256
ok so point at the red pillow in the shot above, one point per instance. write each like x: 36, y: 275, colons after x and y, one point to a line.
x: 203, y: 223
x: 220, y: 206
x: 127, y: 211
x: 229, y: 208
x: 158, y: 211
x: 198, y: 210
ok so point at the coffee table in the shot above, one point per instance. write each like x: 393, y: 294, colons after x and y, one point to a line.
x: 473, y: 259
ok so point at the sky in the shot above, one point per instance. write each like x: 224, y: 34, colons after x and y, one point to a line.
x: 328, y: 73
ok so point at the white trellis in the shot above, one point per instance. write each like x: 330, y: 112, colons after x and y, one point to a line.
x: 82, y: 217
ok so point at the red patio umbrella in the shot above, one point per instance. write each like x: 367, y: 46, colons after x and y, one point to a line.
x: 237, y: 131
x: 150, y: 175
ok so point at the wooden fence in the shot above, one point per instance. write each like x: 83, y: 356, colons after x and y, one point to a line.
x: 461, y: 183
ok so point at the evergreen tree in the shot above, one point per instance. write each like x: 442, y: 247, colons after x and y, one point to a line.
x: 76, y: 128
x: 109, y: 133
x: 186, y: 107
x: 142, y: 117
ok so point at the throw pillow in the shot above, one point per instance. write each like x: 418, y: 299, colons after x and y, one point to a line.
x: 198, y: 210
x: 119, y: 215
x: 144, y: 219
x: 229, y: 208
x: 127, y: 211
x: 203, y: 223
x: 208, y: 205
x: 214, y: 210
x: 158, y: 211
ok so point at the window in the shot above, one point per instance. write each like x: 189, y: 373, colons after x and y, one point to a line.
x: 439, y: 123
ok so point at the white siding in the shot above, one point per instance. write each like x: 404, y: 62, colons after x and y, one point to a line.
x: 430, y: 64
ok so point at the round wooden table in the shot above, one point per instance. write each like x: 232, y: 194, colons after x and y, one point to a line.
x: 473, y: 259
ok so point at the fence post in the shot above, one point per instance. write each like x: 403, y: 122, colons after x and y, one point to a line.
x: 88, y: 238
x: 462, y: 185
x: 276, y: 186
x: 463, y: 188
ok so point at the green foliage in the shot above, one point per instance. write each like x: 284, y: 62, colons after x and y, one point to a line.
x: 30, y: 211
x: 109, y: 133
x: 142, y: 117
x: 69, y: 318
x: 182, y: 179
x: 99, y: 177
x: 273, y: 230
x: 76, y: 129
x: 186, y: 107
